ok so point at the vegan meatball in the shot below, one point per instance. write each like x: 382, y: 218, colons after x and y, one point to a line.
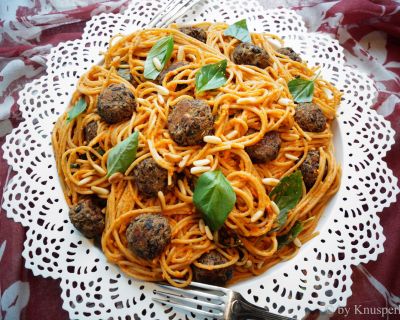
x: 148, y: 235
x: 290, y: 53
x: 190, y: 121
x: 310, y: 117
x: 90, y: 131
x: 116, y: 103
x: 86, y: 216
x: 172, y: 67
x: 217, y: 277
x: 309, y: 168
x: 150, y: 177
x: 197, y: 33
x: 265, y: 150
x: 250, y: 54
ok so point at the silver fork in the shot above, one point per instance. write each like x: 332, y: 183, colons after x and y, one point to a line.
x: 214, y: 302
x: 173, y: 11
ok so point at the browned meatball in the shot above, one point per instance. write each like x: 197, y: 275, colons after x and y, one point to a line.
x: 197, y: 33
x: 228, y: 238
x: 86, y: 216
x: 90, y: 131
x: 309, y: 168
x: 190, y: 121
x: 250, y: 54
x: 265, y: 150
x: 148, y: 235
x: 217, y: 277
x: 310, y: 117
x: 150, y: 177
x: 290, y: 53
x: 172, y: 67
x: 116, y: 103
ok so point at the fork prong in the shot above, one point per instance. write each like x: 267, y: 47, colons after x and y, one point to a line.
x: 209, y: 287
x: 173, y: 297
x: 178, y: 10
x: 183, y: 9
x: 190, y: 309
x: 192, y: 292
x: 159, y: 15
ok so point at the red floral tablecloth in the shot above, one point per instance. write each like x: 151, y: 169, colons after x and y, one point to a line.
x: 368, y: 30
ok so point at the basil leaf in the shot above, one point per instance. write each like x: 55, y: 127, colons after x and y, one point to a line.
x: 125, y: 74
x: 77, y: 109
x: 302, y: 90
x: 122, y: 155
x: 291, y: 235
x: 162, y: 50
x: 239, y: 31
x: 211, y: 76
x: 286, y: 195
x: 214, y: 198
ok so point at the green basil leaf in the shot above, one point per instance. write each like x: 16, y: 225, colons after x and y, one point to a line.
x: 286, y: 195
x: 302, y: 90
x: 211, y: 76
x: 162, y: 50
x: 214, y: 198
x: 291, y: 235
x: 239, y: 31
x: 122, y: 155
x: 77, y: 109
x: 125, y: 74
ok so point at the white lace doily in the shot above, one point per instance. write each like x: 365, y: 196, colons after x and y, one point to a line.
x: 318, y: 278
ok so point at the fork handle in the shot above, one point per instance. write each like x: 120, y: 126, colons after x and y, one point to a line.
x: 243, y: 310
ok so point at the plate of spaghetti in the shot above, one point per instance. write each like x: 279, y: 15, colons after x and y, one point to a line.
x: 240, y: 151
x: 199, y: 152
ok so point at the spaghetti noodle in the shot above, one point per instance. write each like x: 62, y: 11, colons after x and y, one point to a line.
x: 252, y: 98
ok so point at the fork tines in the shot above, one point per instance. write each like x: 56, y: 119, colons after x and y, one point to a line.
x: 171, y: 12
x: 194, y: 300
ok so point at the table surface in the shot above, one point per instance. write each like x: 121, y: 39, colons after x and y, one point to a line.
x: 368, y: 30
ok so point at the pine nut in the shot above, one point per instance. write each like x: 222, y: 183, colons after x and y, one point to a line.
x: 212, y: 139
x: 184, y: 161
x: 275, y: 207
x: 272, y: 182
x: 248, y: 264
x: 202, y: 226
x: 201, y: 162
x: 284, y: 101
x: 101, y: 191
x: 157, y: 64
x: 297, y: 242
x: 208, y: 233
x: 257, y: 216
x: 291, y: 157
x: 197, y: 170
x: 115, y: 177
x: 99, y: 169
x: 246, y: 100
x: 232, y: 134
x: 84, y: 181
x: 160, y: 99
x: 162, y: 90
x: 328, y: 93
x: 274, y: 43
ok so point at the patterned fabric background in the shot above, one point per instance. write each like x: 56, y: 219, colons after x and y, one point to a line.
x: 368, y: 30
